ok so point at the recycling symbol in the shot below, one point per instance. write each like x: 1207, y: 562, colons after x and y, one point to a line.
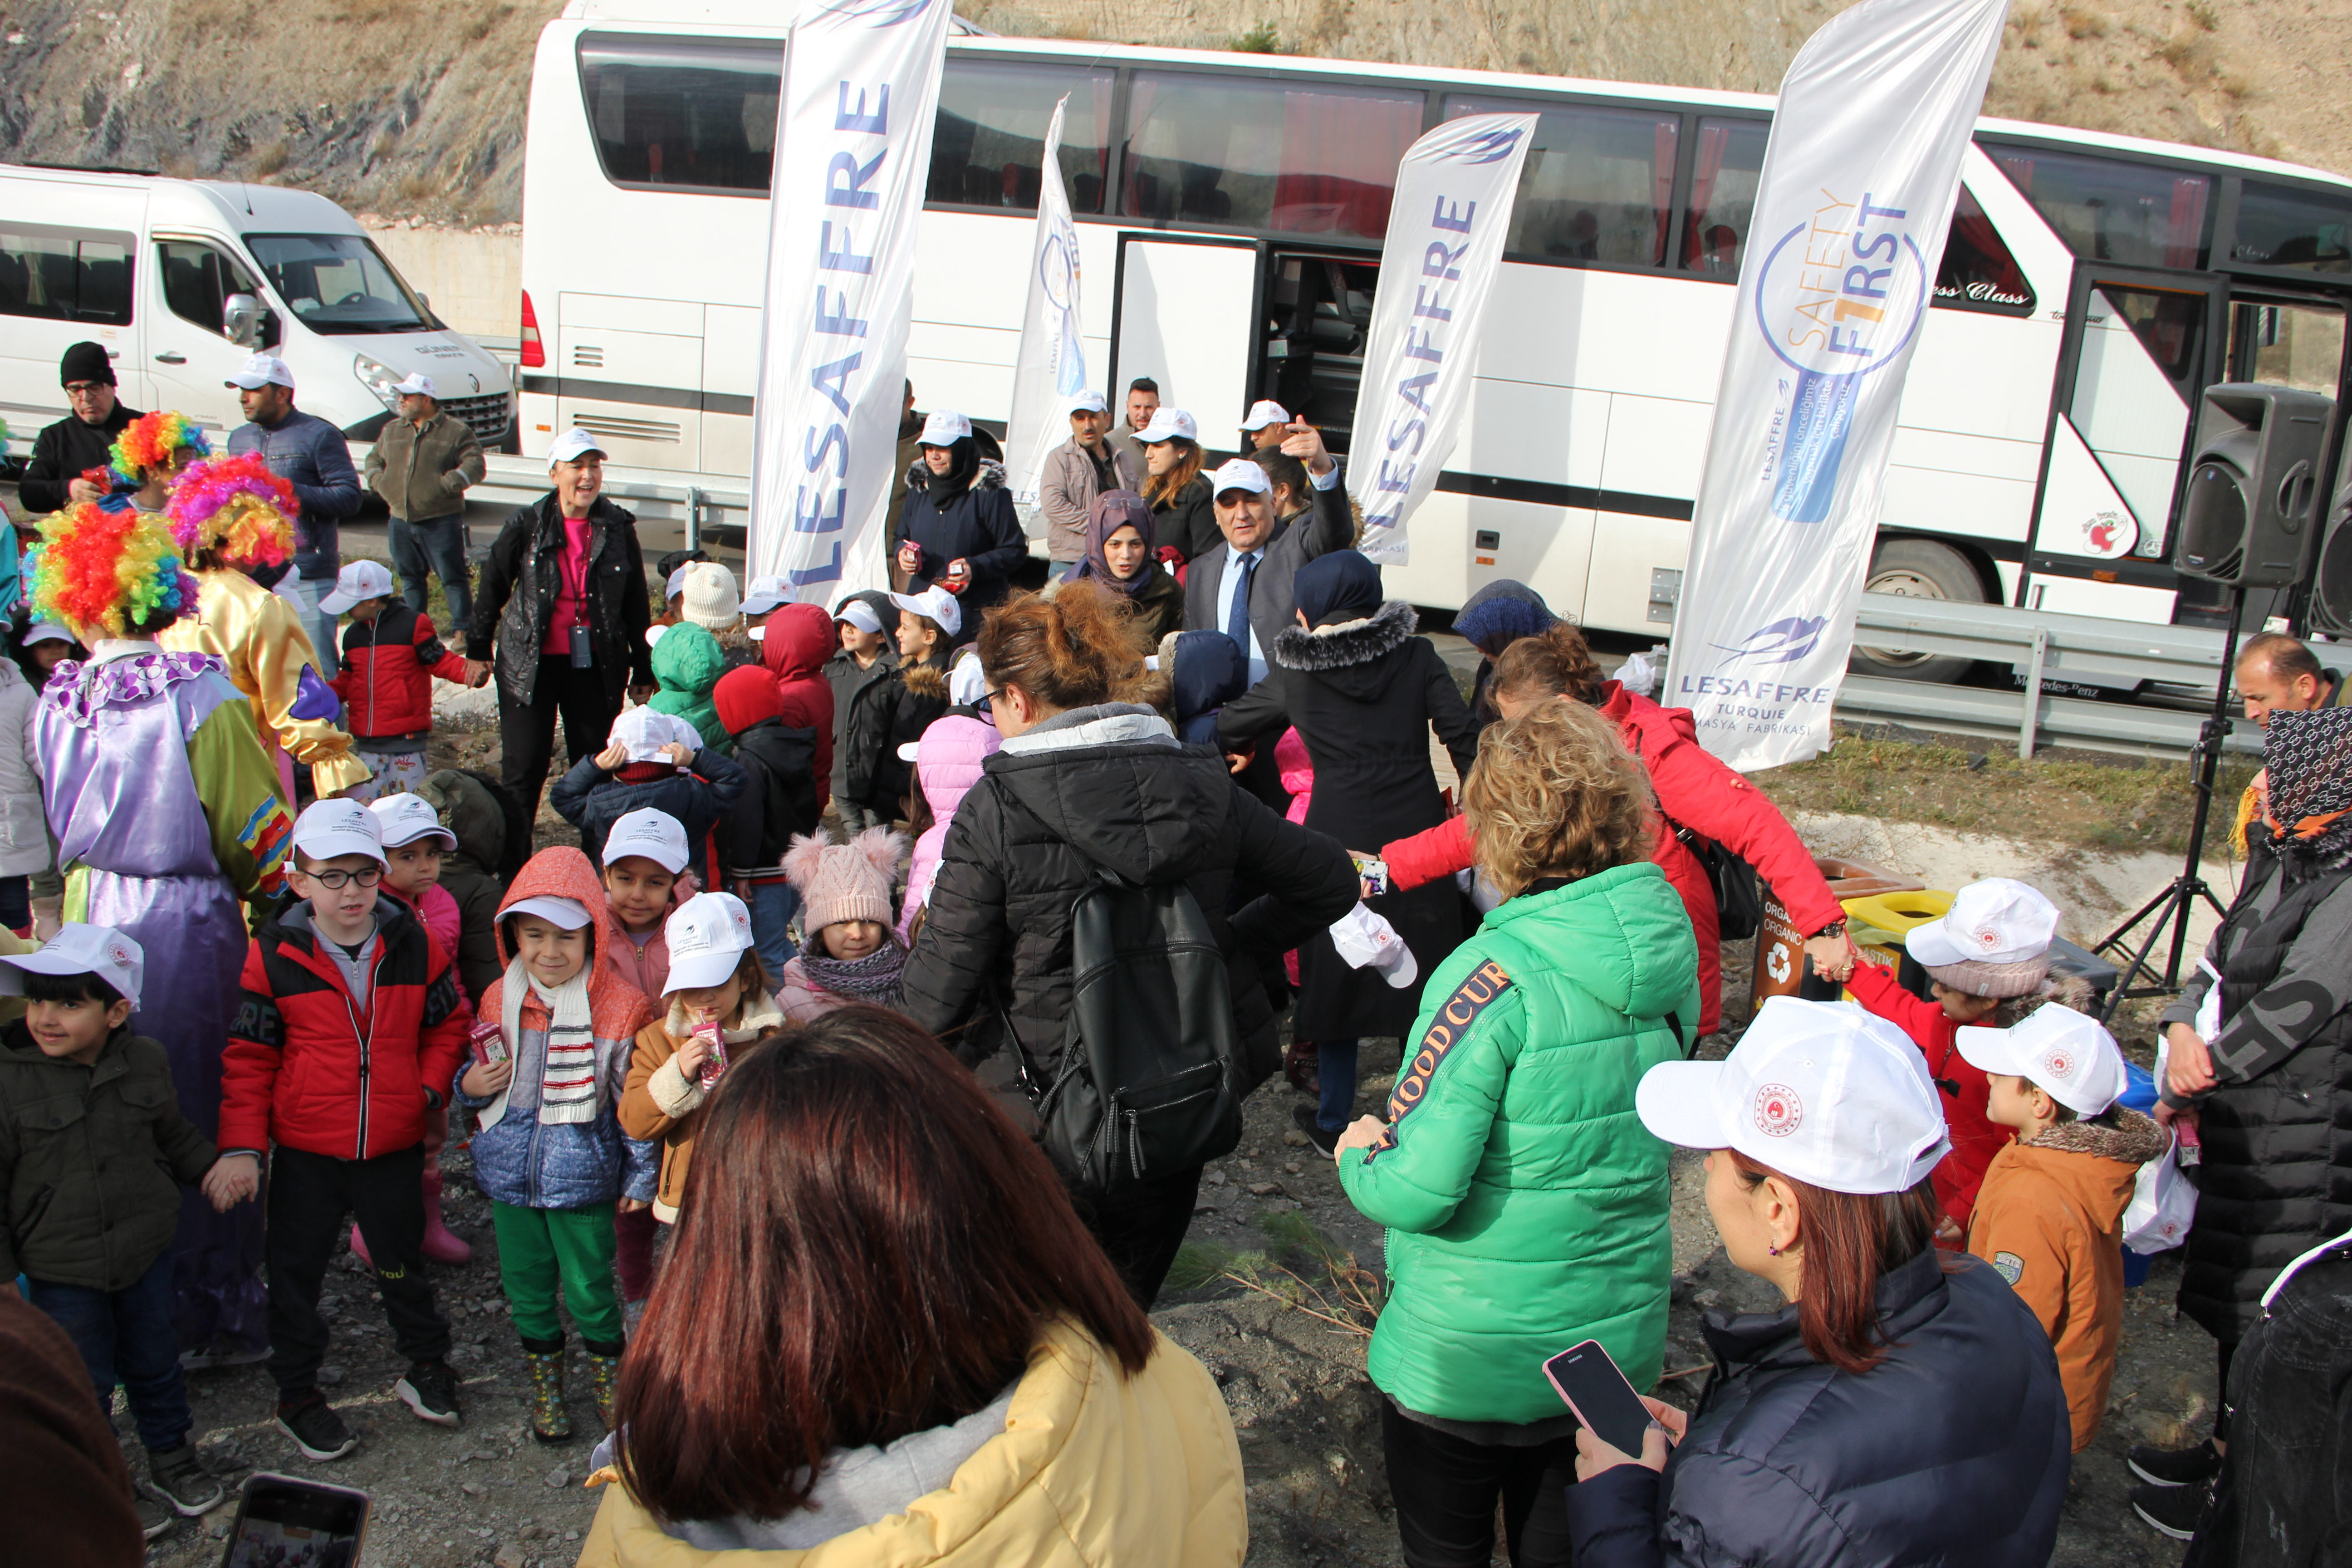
x: 1776, y: 963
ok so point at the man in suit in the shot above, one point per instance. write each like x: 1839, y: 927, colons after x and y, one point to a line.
x: 1245, y: 589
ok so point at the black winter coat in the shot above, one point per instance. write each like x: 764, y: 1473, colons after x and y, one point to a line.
x: 779, y: 797
x: 520, y: 582
x: 1953, y: 1450
x: 2274, y: 1179
x: 1363, y: 698
x: 1108, y: 786
x: 65, y: 451
x: 857, y: 704
x: 979, y: 526
x: 592, y: 800
x: 884, y: 716
x: 1188, y: 519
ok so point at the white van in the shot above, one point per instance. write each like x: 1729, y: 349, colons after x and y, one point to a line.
x: 180, y: 279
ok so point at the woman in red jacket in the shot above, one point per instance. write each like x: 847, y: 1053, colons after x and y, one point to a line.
x: 1693, y: 791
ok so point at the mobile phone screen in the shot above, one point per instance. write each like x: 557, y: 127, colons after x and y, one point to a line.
x: 1600, y: 1396
x: 283, y: 1521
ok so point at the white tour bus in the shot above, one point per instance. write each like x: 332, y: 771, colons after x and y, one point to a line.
x: 181, y: 280
x: 1231, y: 209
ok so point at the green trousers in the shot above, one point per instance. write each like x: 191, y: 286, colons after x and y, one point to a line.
x: 538, y: 1249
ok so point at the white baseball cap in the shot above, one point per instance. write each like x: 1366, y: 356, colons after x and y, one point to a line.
x: 643, y: 731
x: 1997, y: 920
x: 2065, y: 1052
x: 766, y: 593
x: 571, y: 446
x: 1085, y: 403
x: 656, y: 834
x: 860, y: 613
x: 1166, y: 423
x: 1239, y: 474
x: 943, y: 428
x: 565, y: 914
x: 330, y: 828
x: 259, y: 371
x: 708, y: 936
x: 415, y: 384
x: 80, y: 949
x: 360, y: 581
x: 967, y: 683
x: 1821, y: 1091
x: 937, y: 603
x: 47, y: 631
x: 1263, y: 414
x: 676, y: 583
x: 405, y: 818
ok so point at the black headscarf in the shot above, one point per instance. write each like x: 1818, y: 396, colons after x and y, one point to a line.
x: 963, y: 469
x: 1341, y: 586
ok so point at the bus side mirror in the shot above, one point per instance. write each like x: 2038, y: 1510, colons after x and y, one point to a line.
x: 241, y: 320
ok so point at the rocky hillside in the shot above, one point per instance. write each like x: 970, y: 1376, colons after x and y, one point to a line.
x: 416, y: 107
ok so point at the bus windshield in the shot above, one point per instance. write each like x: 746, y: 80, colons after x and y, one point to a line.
x: 338, y: 283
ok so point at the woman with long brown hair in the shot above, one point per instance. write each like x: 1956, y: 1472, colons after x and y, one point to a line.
x: 877, y: 1288
x: 1174, y: 485
x: 1084, y: 780
x: 1902, y: 1407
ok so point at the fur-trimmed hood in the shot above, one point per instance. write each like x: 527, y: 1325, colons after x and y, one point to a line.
x: 2132, y: 1138
x: 990, y: 477
x: 1346, y: 644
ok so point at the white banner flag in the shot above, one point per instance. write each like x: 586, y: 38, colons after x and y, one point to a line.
x: 852, y: 152
x: 1852, y: 208
x: 1453, y: 206
x: 1051, y: 366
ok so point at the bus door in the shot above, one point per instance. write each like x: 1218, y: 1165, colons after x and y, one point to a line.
x: 1319, y: 317
x: 1185, y: 314
x: 2287, y: 338
x: 2138, y: 349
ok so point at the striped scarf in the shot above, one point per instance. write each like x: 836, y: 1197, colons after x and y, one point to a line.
x: 567, y: 1086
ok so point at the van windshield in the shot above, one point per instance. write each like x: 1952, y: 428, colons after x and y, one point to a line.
x: 338, y: 283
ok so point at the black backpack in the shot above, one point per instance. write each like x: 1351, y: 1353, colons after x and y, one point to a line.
x: 519, y: 823
x: 1151, y: 1071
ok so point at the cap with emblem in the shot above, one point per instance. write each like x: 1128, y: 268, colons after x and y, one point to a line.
x: 79, y: 949
x: 1994, y: 942
x: 708, y: 936
x: 944, y: 428
x: 935, y: 602
x: 1240, y: 474
x: 656, y: 834
x: 764, y: 594
x: 330, y: 828
x: 1821, y: 1091
x: 1263, y: 414
x: 405, y: 818
x: 355, y: 584
x: 565, y: 914
x: 571, y: 446
x: 643, y: 731
x: 2059, y: 1050
x: 259, y: 371
x: 415, y: 384
x: 1085, y: 403
x: 1167, y: 424
x: 860, y: 613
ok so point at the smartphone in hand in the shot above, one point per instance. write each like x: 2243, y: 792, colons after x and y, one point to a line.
x: 1599, y: 1396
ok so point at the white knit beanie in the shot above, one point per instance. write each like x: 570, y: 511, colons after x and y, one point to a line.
x: 711, y: 601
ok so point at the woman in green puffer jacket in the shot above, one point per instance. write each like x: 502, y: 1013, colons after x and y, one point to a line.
x: 687, y: 662
x: 1525, y: 1203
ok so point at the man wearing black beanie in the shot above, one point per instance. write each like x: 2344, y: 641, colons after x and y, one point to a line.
x: 79, y: 442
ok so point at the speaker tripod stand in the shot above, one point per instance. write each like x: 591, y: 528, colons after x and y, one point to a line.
x: 2173, y: 906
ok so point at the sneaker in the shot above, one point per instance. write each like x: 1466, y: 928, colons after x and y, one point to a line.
x: 154, y: 1518
x: 431, y: 1390
x: 220, y: 1356
x: 2175, y: 1466
x: 174, y: 1475
x: 1325, y: 1141
x: 2172, y: 1509
x: 315, y: 1428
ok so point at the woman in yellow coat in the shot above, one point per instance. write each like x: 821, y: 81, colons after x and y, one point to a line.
x: 231, y: 515
x: 884, y: 1338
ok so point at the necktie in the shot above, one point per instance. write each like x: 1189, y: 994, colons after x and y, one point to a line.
x: 1237, y: 623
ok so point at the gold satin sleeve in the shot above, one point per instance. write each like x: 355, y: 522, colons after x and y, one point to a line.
x: 260, y: 637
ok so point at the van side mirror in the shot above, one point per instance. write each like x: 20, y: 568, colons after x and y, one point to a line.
x: 241, y: 320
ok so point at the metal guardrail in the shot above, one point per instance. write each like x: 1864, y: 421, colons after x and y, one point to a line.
x: 2042, y: 648
x: 698, y: 502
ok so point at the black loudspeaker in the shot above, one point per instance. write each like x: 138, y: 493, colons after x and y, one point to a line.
x: 2331, y: 581
x: 2251, y: 484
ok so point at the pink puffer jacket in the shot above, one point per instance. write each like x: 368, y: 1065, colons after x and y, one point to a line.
x: 947, y: 764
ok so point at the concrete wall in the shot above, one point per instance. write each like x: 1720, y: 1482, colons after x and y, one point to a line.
x: 473, y: 276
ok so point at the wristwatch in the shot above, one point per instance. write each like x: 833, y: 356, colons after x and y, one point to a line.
x: 1835, y: 928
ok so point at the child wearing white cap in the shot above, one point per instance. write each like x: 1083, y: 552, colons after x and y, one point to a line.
x: 646, y: 856
x: 1987, y: 961
x: 717, y: 986
x: 550, y: 1155
x: 1897, y: 1409
x: 906, y: 701
x: 384, y: 672
x: 93, y: 1197
x: 654, y: 761
x: 2049, y: 1217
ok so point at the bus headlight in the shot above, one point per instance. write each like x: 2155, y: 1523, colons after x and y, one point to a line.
x: 379, y: 379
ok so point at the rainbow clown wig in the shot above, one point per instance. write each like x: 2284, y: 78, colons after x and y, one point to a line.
x: 148, y: 442
x: 232, y: 512
x: 118, y: 572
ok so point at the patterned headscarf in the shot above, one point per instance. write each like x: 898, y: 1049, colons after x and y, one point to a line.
x: 2308, y: 757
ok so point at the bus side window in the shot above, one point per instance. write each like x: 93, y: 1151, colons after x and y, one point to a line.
x: 988, y: 143
x: 1597, y: 184
x: 1977, y: 269
x: 1723, y: 195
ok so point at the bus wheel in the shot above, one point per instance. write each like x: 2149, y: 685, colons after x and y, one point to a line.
x: 1922, y: 568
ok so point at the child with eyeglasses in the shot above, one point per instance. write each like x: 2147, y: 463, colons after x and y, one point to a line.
x: 348, y: 1036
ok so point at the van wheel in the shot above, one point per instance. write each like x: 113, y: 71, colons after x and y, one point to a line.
x: 1921, y: 569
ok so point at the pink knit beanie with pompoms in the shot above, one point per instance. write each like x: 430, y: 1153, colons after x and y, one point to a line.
x: 840, y: 883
